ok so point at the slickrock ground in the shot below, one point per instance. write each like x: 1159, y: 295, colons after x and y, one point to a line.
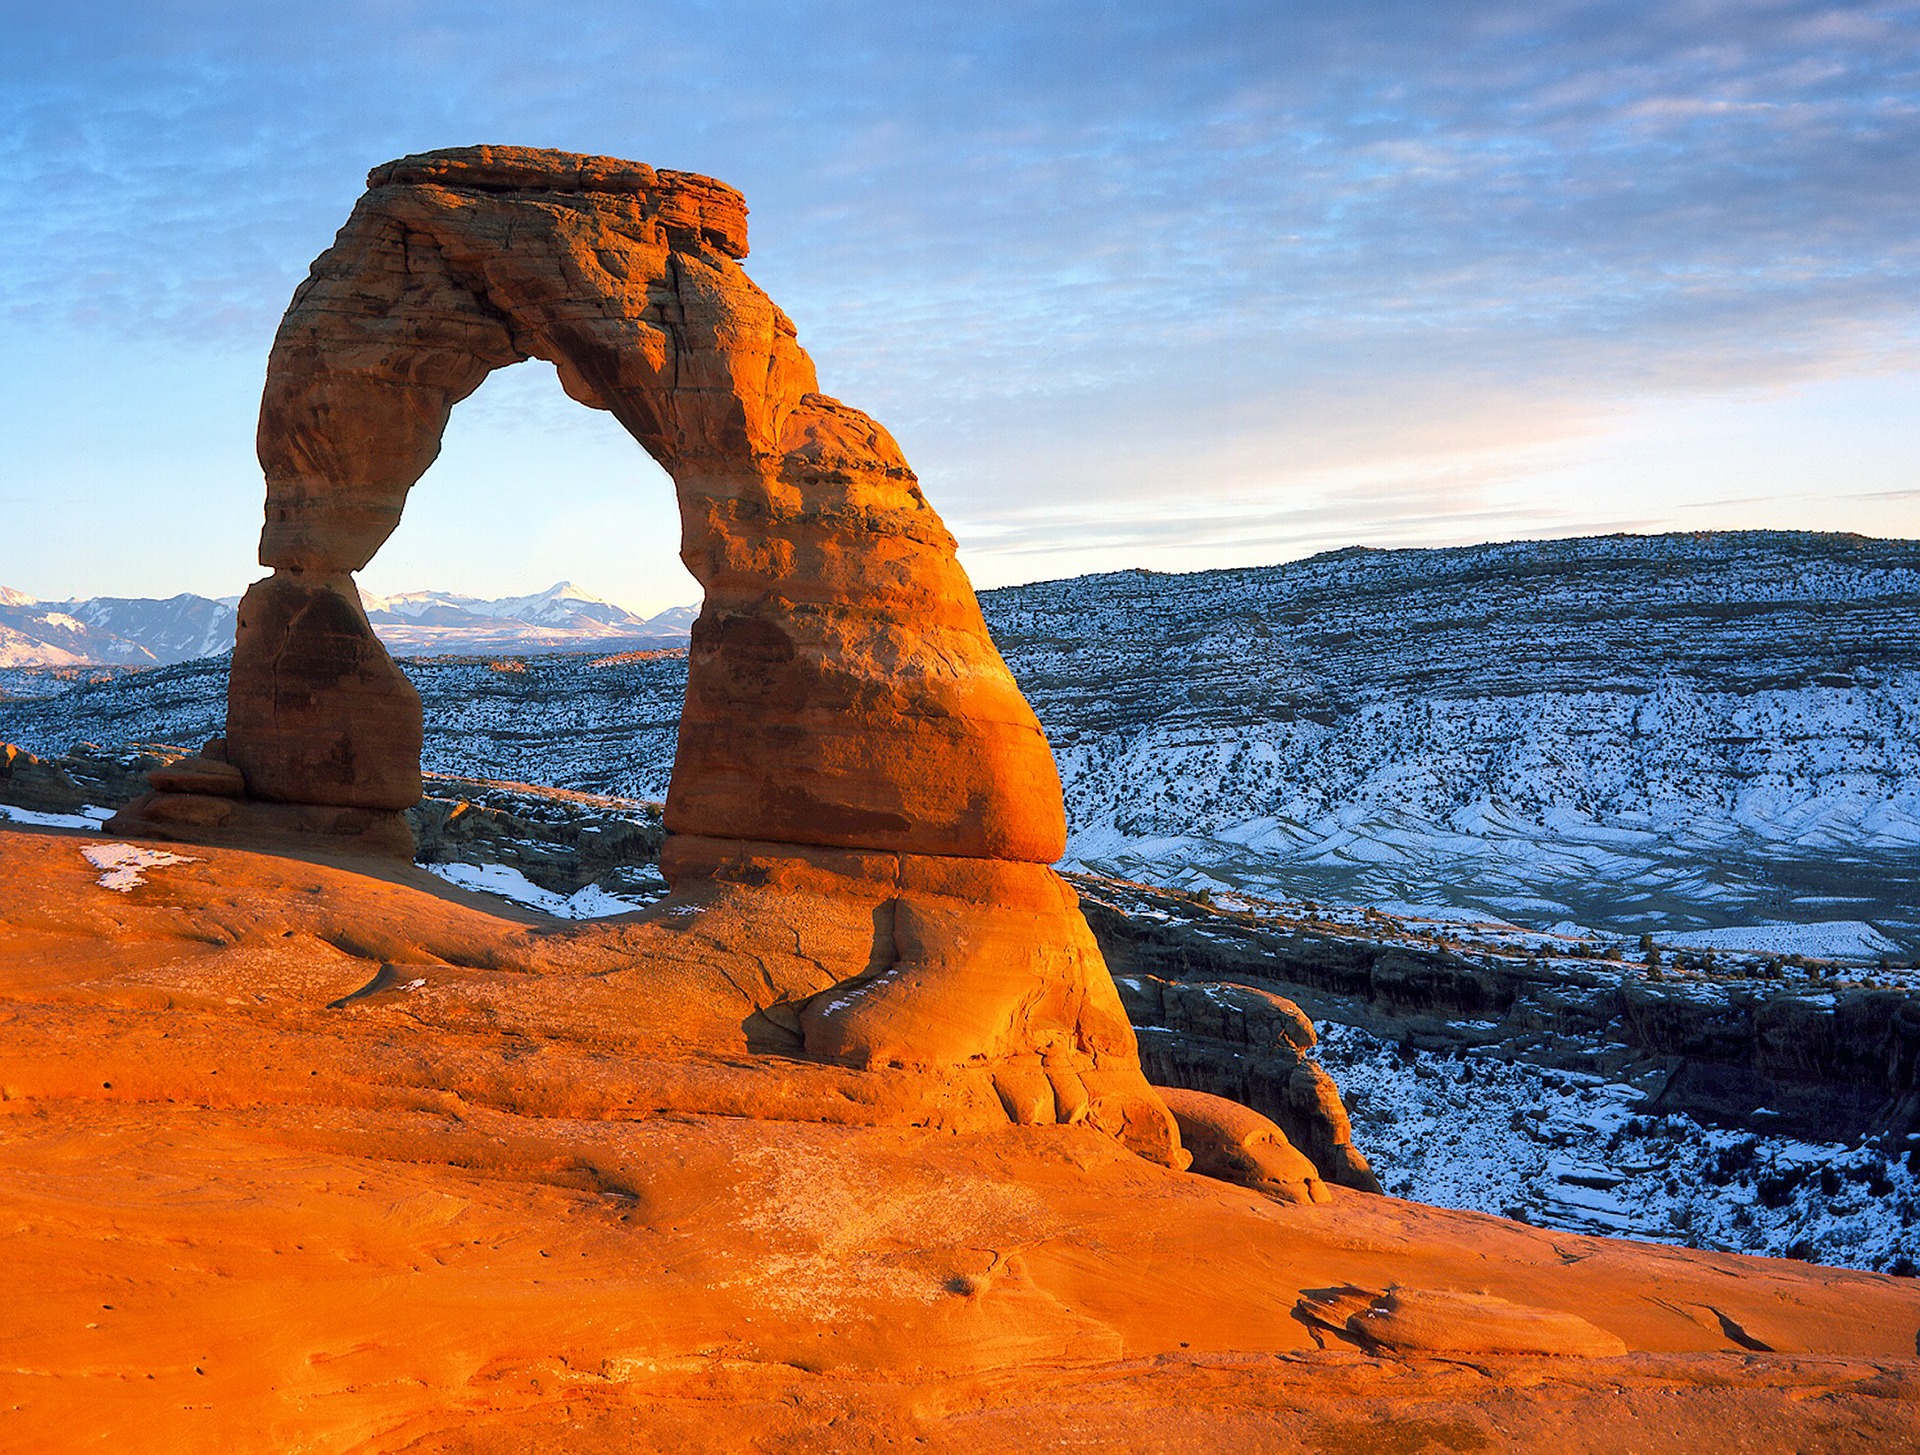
x: 509, y: 1198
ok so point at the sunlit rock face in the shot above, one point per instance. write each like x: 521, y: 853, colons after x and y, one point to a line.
x: 843, y: 688
x: 856, y: 772
x: 323, y: 713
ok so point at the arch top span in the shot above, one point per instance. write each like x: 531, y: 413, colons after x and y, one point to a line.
x: 843, y: 690
x: 459, y: 262
x: 698, y: 206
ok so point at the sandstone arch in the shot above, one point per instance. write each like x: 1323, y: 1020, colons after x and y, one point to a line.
x: 863, y: 806
x: 843, y: 689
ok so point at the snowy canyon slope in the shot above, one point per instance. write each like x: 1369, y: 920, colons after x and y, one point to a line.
x: 1714, y: 735
x: 1683, y: 732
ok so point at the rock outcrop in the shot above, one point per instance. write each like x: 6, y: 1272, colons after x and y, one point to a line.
x: 851, y: 741
x: 1241, y: 1045
x: 1404, y: 1321
x: 1236, y: 1144
x: 843, y: 689
x: 87, y: 776
x: 317, y: 712
x: 33, y: 783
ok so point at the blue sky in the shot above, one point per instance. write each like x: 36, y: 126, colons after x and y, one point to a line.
x: 1167, y: 285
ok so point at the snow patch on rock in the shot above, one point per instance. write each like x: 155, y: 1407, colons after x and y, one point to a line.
x: 124, y: 863
x: 592, y: 902
x: 89, y: 817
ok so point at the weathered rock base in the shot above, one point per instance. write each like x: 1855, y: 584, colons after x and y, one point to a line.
x: 317, y: 712
x: 203, y: 818
x: 916, y: 961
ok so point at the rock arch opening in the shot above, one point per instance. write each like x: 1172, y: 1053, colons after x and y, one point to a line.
x: 530, y: 490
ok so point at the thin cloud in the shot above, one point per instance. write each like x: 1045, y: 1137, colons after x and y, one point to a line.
x: 1884, y: 495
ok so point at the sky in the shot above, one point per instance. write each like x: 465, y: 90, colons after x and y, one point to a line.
x: 1171, y: 285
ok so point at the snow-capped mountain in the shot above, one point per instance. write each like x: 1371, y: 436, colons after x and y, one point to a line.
x: 111, y: 630
x: 564, y: 605
x: 678, y: 619
x: 140, y: 632
x: 424, y: 606
x: 561, y: 618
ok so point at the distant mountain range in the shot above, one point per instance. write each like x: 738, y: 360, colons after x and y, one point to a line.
x: 118, y: 631
x: 123, y: 631
x: 562, y: 618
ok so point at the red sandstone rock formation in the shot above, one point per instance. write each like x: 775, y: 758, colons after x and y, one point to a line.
x: 302, y: 1157
x: 853, y: 752
x: 843, y: 690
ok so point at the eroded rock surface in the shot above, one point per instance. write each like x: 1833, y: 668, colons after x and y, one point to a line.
x: 853, y: 754
x: 33, y: 783
x: 843, y: 689
x: 349, y: 1156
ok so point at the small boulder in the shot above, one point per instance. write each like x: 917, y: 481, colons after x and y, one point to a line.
x: 1433, y: 1321
x: 32, y: 783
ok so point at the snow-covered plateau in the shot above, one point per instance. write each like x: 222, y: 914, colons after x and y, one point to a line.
x: 1683, y: 733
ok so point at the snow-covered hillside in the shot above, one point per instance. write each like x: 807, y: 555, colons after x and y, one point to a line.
x: 1760, y: 1104
x: 1682, y: 732
x: 1711, y: 734
x: 595, y: 724
x: 1575, y: 1150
